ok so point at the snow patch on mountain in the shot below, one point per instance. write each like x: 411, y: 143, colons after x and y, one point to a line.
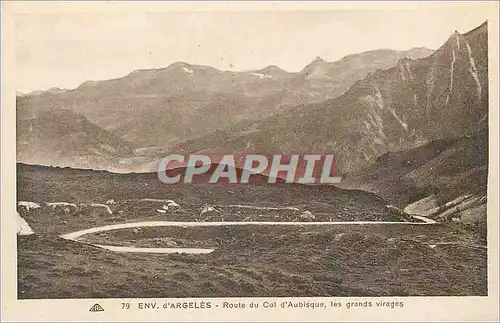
x: 28, y: 205
x: 401, y: 121
x: 262, y: 76
x: 55, y: 204
x: 473, y: 70
x: 401, y: 72
x: 23, y: 227
x: 380, y: 100
x: 452, y: 69
x: 409, y: 70
x: 430, y: 82
x: 104, y: 206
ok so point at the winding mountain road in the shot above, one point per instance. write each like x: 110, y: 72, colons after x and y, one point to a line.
x: 77, y: 234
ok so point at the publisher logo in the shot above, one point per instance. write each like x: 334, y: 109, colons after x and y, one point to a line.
x: 96, y: 308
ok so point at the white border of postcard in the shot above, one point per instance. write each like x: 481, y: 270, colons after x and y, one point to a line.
x: 415, y: 308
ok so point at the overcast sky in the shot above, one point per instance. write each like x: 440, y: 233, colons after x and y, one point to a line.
x: 66, y: 50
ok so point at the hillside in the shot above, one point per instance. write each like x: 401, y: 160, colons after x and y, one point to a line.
x: 135, y: 197
x: 441, y: 96
x: 321, y: 263
x: 161, y: 107
x: 444, y: 179
x: 379, y: 259
x: 62, y: 137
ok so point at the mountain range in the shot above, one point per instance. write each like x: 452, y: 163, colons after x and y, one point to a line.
x: 408, y: 130
x: 443, y: 95
x: 359, y: 108
x: 152, y: 110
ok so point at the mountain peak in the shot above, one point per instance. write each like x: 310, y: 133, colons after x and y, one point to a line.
x: 482, y: 28
x: 55, y: 90
x: 270, y: 69
x: 179, y: 64
x: 319, y: 60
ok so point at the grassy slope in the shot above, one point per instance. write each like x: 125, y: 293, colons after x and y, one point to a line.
x: 448, y: 168
x: 301, y: 263
x: 364, y: 261
x: 47, y: 184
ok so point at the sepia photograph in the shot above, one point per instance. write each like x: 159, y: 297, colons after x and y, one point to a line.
x: 172, y: 154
